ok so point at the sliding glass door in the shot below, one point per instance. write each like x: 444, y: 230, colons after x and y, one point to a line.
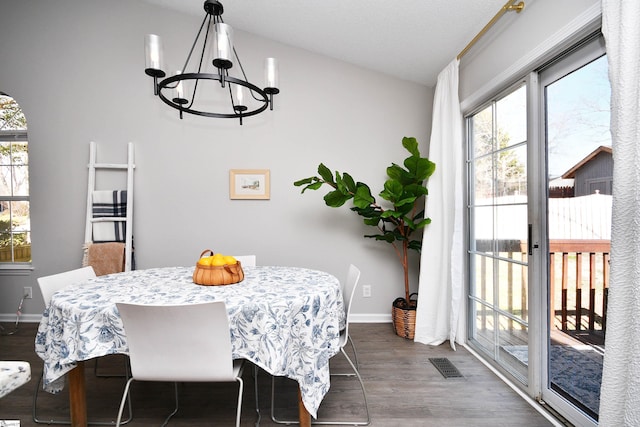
x: 539, y: 166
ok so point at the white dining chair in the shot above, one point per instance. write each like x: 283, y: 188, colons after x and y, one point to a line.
x: 348, y: 291
x: 246, y: 260
x: 49, y: 285
x: 160, y: 350
x: 250, y: 261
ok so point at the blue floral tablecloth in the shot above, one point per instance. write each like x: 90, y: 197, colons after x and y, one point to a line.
x: 286, y: 320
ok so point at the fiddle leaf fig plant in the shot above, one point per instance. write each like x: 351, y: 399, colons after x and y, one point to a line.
x: 398, y: 215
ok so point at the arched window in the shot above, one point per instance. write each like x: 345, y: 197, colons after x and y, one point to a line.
x: 15, y: 226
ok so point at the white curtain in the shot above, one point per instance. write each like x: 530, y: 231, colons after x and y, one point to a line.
x: 440, y: 314
x: 620, y: 392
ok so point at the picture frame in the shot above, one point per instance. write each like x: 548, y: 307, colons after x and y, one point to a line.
x: 249, y: 184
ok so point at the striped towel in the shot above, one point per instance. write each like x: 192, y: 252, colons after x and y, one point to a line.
x: 109, y: 204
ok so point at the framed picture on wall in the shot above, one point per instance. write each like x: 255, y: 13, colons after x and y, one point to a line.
x: 249, y: 184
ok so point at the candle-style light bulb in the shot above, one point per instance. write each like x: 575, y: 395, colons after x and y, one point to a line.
x: 271, y: 79
x: 153, y: 59
x: 271, y: 73
x: 222, y: 46
x: 180, y: 86
x: 239, y: 95
x: 153, y: 54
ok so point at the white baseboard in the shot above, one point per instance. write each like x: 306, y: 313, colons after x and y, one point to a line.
x: 370, y: 318
x: 25, y: 318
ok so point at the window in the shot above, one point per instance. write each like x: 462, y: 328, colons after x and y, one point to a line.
x: 15, y: 227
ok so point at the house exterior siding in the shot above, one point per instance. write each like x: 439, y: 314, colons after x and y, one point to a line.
x: 595, y: 176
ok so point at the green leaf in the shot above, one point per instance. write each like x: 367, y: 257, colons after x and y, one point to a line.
x: 405, y: 201
x: 313, y: 186
x: 411, y: 144
x: 423, y: 223
x: 349, y: 182
x: 340, y: 184
x: 303, y: 181
x: 391, y: 214
x: 363, y: 197
x: 336, y: 198
x: 415, y: 245
x: 387, y: 237
x: 420, y: 168
x: 372, y: 221
x: 416, y: 190
x: 325, y: 173
x: 392, y: 190
x: 399, y: 174
x: 368, y: 211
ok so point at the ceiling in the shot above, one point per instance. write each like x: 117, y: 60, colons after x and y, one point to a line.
x: 410, y: 39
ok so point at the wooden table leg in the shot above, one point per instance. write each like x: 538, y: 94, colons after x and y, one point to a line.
x: 303, y: 414
x: 77, y: 396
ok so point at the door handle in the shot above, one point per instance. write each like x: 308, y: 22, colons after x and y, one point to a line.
x: 530, y: 245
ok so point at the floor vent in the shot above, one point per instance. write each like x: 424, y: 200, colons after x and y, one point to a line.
x: 446, y: 368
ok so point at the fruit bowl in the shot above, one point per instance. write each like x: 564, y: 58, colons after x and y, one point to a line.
x: 210, y: 272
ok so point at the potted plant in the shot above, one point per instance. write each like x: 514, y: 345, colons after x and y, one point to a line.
x: 397, y: 217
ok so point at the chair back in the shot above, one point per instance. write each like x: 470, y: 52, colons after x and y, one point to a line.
x: 246, y: 260
x: 349, y: 290
x: 179, y: 343
x: 49, y: 285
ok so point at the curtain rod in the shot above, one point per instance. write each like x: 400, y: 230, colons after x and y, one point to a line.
x: 508, y: 7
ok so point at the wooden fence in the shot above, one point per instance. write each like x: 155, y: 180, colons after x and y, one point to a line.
x: 20, y: 253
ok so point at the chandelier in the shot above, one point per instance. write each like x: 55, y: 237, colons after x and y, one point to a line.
x: 206, y: 93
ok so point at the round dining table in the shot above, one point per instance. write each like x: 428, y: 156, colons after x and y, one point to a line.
x: 286, y: 320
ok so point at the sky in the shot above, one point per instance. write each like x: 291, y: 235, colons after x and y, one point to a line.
x: 578, y: 115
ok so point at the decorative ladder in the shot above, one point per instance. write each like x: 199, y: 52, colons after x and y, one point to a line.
x: 128, y: 167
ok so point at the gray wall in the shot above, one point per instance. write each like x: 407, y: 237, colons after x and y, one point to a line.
x: 76, y: 68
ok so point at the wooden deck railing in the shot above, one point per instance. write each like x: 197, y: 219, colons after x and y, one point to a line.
x: 579, y: 284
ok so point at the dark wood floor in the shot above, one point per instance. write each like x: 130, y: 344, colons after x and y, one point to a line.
x: 403, y: 387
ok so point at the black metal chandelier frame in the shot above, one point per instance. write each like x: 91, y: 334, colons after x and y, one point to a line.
x: 264, y: 97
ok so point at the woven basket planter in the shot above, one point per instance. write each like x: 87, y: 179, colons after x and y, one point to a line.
x: 403, y: 314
